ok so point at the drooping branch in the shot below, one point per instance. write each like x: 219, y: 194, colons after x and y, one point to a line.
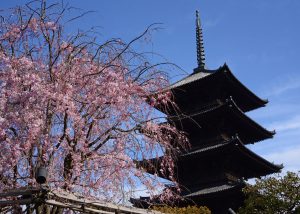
x: 79, y: 108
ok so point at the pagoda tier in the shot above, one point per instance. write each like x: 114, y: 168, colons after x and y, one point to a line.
x: 220, y: 118
x: 228, y: 160
x: 209, y: 85
x: 225, y: 161
x: 218, y: 194
x: 217, y: 197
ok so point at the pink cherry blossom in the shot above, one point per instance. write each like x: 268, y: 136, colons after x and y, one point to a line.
x: 79, y: 109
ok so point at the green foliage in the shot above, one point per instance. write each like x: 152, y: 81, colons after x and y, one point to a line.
x: 278, y: 194
x: 182, y: 210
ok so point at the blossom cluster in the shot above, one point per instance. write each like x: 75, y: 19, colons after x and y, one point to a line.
x: 81, y: 112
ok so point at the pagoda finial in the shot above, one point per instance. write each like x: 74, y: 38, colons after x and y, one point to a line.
x: 199, y: 40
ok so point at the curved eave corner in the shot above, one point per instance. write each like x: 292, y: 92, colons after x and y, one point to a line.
x: 152, y: 166
x: 226, y: 70
x: 243, y: 116
x: 257, y: 158
x: 237, y: 144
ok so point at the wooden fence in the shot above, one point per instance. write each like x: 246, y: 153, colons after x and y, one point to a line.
x: 45, y: 201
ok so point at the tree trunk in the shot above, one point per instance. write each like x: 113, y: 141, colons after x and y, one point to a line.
x: 29, y: 209
x: 59, y: 210
x: 46, y: 209
x: 39, y: 209
x: 54, y: 208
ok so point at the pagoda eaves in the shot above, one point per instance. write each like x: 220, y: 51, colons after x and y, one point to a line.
x: 231, y: 155
x: 239, y: 159
x: 214, y: 115
x: 208, y: 85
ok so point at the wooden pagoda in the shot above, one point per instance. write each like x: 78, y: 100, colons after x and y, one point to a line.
x: 212, y: 106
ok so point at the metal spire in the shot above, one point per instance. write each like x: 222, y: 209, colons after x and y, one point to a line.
x: 199, y: 40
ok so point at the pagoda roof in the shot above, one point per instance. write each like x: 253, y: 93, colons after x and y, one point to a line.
x: 218, y: 197
x: 227, y: 186
x: 237, y: 156
x: 204, y: 82
x: 233, y: 154
x: 233, y: 118
x: 202, y: 195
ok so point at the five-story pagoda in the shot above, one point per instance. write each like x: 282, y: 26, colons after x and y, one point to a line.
x: 212, y: 106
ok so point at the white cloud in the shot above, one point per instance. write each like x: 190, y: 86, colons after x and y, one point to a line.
x: 289, y: 157
x: 283, y: 85
x: 287, y: 125
x: 273, y: 110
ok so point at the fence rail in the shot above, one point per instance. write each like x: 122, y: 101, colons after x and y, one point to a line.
x: 63, y: 200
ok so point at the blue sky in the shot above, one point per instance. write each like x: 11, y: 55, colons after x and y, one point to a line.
x: 258, y: 39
